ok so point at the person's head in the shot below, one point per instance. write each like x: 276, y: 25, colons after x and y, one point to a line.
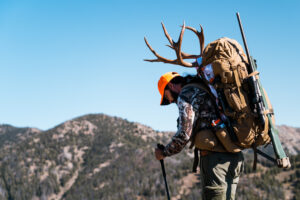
x: 169, y: 87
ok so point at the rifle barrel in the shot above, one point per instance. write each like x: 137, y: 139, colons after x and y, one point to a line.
x: 244, y: 38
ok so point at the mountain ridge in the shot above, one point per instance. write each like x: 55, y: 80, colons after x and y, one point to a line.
x: 96, y: 156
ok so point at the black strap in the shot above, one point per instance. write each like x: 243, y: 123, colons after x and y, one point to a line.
x: 266, y: 156
x: 196, y: 159
x: 255, y: 159
x: 257, y: 151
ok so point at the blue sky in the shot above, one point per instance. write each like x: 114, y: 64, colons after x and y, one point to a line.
x: 63, y: 59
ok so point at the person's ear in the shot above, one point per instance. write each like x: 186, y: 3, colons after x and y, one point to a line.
x: 171, y: 86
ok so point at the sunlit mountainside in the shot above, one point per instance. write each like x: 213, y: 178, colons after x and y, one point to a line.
x: 102, y: 157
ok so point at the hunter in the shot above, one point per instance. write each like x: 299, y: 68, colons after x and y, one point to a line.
x: 220, y: 170
x: 222, y: 110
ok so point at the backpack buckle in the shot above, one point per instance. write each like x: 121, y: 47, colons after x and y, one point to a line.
x: 217, y: 123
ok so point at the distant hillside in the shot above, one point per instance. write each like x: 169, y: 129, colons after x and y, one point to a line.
x: 10, y: 135
x: 102, y: 157
x: 290, y: 137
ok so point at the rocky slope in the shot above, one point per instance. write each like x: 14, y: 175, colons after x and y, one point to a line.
x: 290, y: 137
x: 102, y: 157
x: 10, y: 135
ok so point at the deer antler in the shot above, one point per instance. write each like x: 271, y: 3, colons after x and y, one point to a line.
x: 175, y: 46
x: 200, y: 36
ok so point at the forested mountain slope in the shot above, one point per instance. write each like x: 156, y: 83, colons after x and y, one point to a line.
x: 102, y: 157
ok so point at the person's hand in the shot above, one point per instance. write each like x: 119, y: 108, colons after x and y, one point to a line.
x: 159, y: 154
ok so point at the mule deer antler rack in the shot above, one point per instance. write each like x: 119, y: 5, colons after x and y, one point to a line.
x: 176, y: 46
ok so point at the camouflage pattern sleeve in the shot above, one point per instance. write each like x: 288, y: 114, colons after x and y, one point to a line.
x: 196, y: 111
x: 185, y: 128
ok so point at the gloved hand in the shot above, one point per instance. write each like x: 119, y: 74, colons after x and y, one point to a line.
x: 159, y: 152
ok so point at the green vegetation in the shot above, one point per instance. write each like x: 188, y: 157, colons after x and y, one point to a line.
x: 102, y: 157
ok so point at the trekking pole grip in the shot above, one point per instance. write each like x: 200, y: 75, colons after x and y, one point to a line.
x: 162, y: 147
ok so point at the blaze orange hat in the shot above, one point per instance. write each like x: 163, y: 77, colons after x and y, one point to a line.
x: 163, y: 82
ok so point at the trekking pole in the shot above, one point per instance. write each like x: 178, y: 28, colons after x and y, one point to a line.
x: 161, y: 147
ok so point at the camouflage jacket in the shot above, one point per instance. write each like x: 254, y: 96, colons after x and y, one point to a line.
x: 196, y: 112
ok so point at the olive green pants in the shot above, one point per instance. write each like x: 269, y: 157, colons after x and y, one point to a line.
x: 220, y: 175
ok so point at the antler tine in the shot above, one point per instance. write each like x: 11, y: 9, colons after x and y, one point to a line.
x: 175, y: 46
x: 159, y: 58
x: 167, y: 34
x: 178, y: 49
x: 202, y: 40
x: 200, y: 36
x: 185, y: 55
x: 179, y: 42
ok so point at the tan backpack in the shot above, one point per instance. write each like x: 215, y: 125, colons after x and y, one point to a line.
x: 228, y: 64
x: 249, y: 121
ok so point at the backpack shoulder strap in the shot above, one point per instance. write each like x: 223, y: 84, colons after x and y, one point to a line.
x: 201, y: 86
